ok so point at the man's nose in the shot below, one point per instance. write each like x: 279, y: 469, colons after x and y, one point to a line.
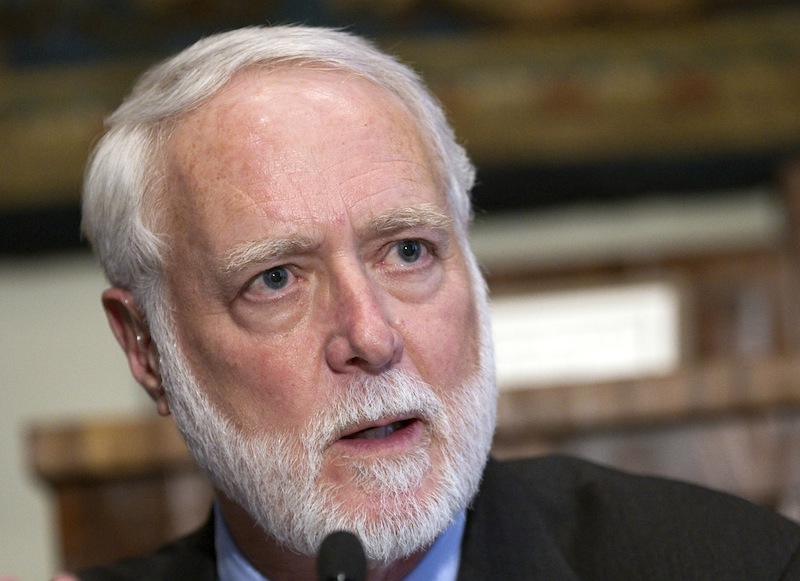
x: 364, y: 337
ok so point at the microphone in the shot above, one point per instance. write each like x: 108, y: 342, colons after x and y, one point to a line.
x: 341, y: 558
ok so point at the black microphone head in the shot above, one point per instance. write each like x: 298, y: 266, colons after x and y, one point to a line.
x: 341, y: 558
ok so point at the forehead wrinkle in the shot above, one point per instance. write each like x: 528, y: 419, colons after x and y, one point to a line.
x: 255, y: 251
x: 423, y: 168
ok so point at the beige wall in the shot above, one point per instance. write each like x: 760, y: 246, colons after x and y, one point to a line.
x: 58, y: 359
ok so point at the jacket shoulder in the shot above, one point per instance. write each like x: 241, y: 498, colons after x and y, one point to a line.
x: 191, y: 558
x: 612, y: 525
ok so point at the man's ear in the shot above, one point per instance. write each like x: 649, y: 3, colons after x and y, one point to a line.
x: 133, y: 335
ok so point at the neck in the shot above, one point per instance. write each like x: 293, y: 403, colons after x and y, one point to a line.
x: 277, y: 563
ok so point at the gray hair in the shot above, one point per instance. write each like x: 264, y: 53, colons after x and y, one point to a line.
x: 124, y: 174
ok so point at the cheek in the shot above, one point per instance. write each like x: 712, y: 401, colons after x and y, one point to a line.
x: 261, y: 385
x: 443, y: 338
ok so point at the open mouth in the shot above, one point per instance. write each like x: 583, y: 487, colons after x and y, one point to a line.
x: 379, y: 432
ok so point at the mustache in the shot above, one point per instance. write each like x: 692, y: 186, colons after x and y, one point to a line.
x: 372, y: 398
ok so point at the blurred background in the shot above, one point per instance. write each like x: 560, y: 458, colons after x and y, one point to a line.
x: 637, y: 211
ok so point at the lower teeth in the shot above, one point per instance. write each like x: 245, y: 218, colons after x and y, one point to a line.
x: 379, y: 432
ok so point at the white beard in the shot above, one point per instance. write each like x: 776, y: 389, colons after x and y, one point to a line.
x: 275, y: 477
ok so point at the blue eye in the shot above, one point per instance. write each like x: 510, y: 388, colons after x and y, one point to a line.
x: 409, y: 250
x: 275, y: 278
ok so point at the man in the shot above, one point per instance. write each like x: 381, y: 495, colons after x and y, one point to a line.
x: 283, y: 214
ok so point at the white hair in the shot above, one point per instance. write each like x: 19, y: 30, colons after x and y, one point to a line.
x: 124, y: 176
x: 122, y: 191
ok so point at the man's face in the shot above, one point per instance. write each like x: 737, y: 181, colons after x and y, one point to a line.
x: 312, y: 255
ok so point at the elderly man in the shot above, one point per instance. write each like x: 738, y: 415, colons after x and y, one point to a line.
x: 283, y: 214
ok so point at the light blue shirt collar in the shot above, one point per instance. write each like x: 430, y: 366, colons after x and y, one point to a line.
x: 440, y: 563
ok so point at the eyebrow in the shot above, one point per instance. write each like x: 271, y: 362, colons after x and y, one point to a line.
x: 424, y: 215
x: 263, y: 251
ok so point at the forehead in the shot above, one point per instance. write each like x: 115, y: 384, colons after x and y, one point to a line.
x: 278, y: 144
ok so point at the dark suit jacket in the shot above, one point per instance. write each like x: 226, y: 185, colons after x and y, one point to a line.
x: 561, y: 518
